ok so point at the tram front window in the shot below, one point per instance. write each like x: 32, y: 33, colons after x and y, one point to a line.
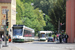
x: 17, y: 32
x: 42, y: 35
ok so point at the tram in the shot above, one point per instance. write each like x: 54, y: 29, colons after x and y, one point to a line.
x: 21, y: 33
x: 43, y: 35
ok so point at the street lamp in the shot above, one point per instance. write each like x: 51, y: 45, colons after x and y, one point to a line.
x: 59, y: 22
x: 59, y: 25
x: 32, y: 4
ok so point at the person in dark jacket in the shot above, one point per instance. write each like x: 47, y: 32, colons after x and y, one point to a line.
x: 66, y: 37
x: 54, y: 37
x: 60, y: 38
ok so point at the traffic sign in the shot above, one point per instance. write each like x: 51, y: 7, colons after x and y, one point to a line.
x: 2, y: 27
x: 3, y: 22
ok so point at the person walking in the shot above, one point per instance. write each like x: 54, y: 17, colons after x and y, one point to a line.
x: 54, y: 37
x: 9, y: 38
x: 2, y: 37
x: 66, y: 37
x: 63, y: 36
x: 60, y: 38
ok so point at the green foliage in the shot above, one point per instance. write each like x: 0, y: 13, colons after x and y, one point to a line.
x: 45, y: 6
x: 27, y: 1
x: 55, y: 9
x: 32, y: 17
x: 58, y: 12
x: 29, y: 16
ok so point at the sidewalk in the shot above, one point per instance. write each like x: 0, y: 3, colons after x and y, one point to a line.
x: 9, y: 48
x: 72, y: 47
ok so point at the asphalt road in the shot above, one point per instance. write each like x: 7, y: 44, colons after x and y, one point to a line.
x: 37, y: 45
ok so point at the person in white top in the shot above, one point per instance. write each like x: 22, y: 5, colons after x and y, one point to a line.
x: 3, y: 37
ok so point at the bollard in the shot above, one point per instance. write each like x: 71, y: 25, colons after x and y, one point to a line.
x: 0, y: 43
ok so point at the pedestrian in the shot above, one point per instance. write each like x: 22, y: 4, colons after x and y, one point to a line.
x: 54, y: 37
x: 2, y: 37
x: 9, y: 38
x: 60, y: 38
x: 63, y: 37
x: 66, y: 37
x: 57, y: 38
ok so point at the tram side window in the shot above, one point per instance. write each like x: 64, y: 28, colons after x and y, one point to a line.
x: 47, y: 35
x: 27, y: 33
x: 32, y: 34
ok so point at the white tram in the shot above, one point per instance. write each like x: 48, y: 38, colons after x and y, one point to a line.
x: 43, y: 35
x: 21, y: 33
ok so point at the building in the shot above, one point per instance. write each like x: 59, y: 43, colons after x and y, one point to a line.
x: 11, y: 6
x: 70, y: 20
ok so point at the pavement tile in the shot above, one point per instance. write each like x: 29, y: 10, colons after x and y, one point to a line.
x: 9, y: 48
x: 5, y: 48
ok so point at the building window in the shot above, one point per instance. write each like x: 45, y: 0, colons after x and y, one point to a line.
x: 3, y: 11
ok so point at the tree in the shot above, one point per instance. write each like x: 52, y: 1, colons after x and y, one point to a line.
x: 45, y: 6
x: 29, y: 16
x: 27, y: 1
x: 55, y: 9
x: 58, y: 12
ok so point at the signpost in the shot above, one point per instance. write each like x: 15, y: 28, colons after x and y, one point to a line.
x: 2, y: 27
x: 5, y: 29
x: 3, y: 22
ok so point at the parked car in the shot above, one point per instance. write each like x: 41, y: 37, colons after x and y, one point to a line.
x: 50, y: 39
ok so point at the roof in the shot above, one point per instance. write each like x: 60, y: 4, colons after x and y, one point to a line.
x: 5, y: 1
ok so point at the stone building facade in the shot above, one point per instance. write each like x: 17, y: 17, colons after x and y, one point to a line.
x: 11, y: 6
x: 70, y: 20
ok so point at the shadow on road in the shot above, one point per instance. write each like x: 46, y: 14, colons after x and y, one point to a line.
x: 50, y: 43
x: 44, y: 43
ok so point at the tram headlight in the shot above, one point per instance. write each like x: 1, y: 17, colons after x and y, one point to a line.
x: 13, y: 37
x: 20, y: 37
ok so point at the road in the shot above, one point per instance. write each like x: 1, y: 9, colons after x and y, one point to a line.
x: 37, y: 45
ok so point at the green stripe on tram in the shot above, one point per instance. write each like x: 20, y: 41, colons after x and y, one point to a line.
x: 18, y: 40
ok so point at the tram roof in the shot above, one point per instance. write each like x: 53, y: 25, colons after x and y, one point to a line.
x: 46, y: 31
x: 27, y: 28
x: 18, y: 25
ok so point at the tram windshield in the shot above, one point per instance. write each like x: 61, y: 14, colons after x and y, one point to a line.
x: 17, y: 31
x: 43, y: 35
